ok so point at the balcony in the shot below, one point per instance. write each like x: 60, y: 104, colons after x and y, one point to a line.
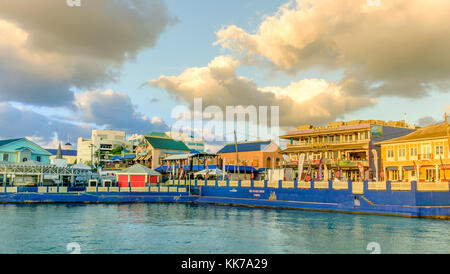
x: 330, y: 163
x: 427, y: 156
x: 327, y: 144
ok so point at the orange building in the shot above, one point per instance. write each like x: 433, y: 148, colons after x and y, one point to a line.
x: 259, y: 154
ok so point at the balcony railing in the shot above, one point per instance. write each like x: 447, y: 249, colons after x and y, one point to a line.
x: 330, y: 143
x: 330, y: 162
x: 427, y: 156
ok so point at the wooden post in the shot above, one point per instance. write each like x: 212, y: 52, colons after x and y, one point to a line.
x: 237, y: 154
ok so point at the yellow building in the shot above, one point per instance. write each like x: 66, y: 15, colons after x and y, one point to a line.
x: 346, y: 146
x: 425, y: 150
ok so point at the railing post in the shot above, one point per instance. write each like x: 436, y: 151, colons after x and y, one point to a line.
x: 228, y: 182
x: 413, y: 186
x: 388, y: 186
x: 350, y: 186
x: 295, y: 184
x: 239, y: 183
x: 280, y: 184
x: 365, y: 186
x: 265, y: 183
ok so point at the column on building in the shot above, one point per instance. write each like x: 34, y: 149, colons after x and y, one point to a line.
x: 438, y: 174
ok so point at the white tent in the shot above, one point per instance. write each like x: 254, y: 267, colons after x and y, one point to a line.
x: 216, y: 172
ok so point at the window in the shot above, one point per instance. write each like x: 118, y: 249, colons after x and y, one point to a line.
x: 338, y: 138
x: 401, y: 152
x: 395, y: 175
x: 439, y: 151
x: 366, y: 135
x: 413, y: 152
x: 38, y: 158
x: 430, y: 175
x: 5, y: 157
x: 390, y: 154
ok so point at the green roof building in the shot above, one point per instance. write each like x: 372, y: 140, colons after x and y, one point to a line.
x: 156, y: 148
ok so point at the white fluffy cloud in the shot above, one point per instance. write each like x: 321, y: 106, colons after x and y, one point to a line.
x: 112, y: 109
x: 305, y: 101
x: 399, y: 47
x: 47, y: 47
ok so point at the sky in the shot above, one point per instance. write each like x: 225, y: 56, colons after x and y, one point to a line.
x: 127, y: 64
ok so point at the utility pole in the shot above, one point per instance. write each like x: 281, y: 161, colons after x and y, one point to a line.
x: 237, y: 154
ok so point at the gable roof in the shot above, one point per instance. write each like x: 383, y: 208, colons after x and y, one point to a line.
x: 63, y: 152
x: 243, y: 147
x: 139, y: 169
x: 166, y: 143
x: 30, y: 145
x: 429, y: 132
x: 8, y: 141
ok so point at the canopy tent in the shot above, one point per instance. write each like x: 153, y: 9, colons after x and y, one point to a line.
x: 216, y: 172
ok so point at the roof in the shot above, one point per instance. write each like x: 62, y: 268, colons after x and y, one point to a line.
x: 231, y: 168
x: 63, y: 152
x: 5, y: 142
x: 81, y: 166
x: 184, y: 156
x: 429, y: 132
x: 157, y: 134
x: 139, y: 169
x: 166, y: 143
x: 120, y: 157
x: 243, y: 147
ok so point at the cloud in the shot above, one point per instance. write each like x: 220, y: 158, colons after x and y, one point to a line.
x: 426, y: 121
x: 114, y: 110
x: 17, y: 123
x: 397, y: 48
x: 305, y: 101
x: 45, y: 54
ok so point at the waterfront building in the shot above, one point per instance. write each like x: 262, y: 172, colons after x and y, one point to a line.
x: 421, y: 156
x: 21, y: 150
x: 155, y: 148
x: 257, y: 154
x: 69, y: 154
x: 100, y: 144
x: 348, y: 147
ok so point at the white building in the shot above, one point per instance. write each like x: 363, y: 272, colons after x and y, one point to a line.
x: 101, y: 142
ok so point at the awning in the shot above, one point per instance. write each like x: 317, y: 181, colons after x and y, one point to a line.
x: 147, y: 157
x: 391, y: 168
x: 408, y: 167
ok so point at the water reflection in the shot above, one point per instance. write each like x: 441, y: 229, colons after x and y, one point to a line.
x: 188, y: 228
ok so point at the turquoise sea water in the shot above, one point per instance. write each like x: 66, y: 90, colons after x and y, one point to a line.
x: 186, y: 229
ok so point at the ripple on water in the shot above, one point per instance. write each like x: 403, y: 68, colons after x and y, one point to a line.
x: 180, y: 228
